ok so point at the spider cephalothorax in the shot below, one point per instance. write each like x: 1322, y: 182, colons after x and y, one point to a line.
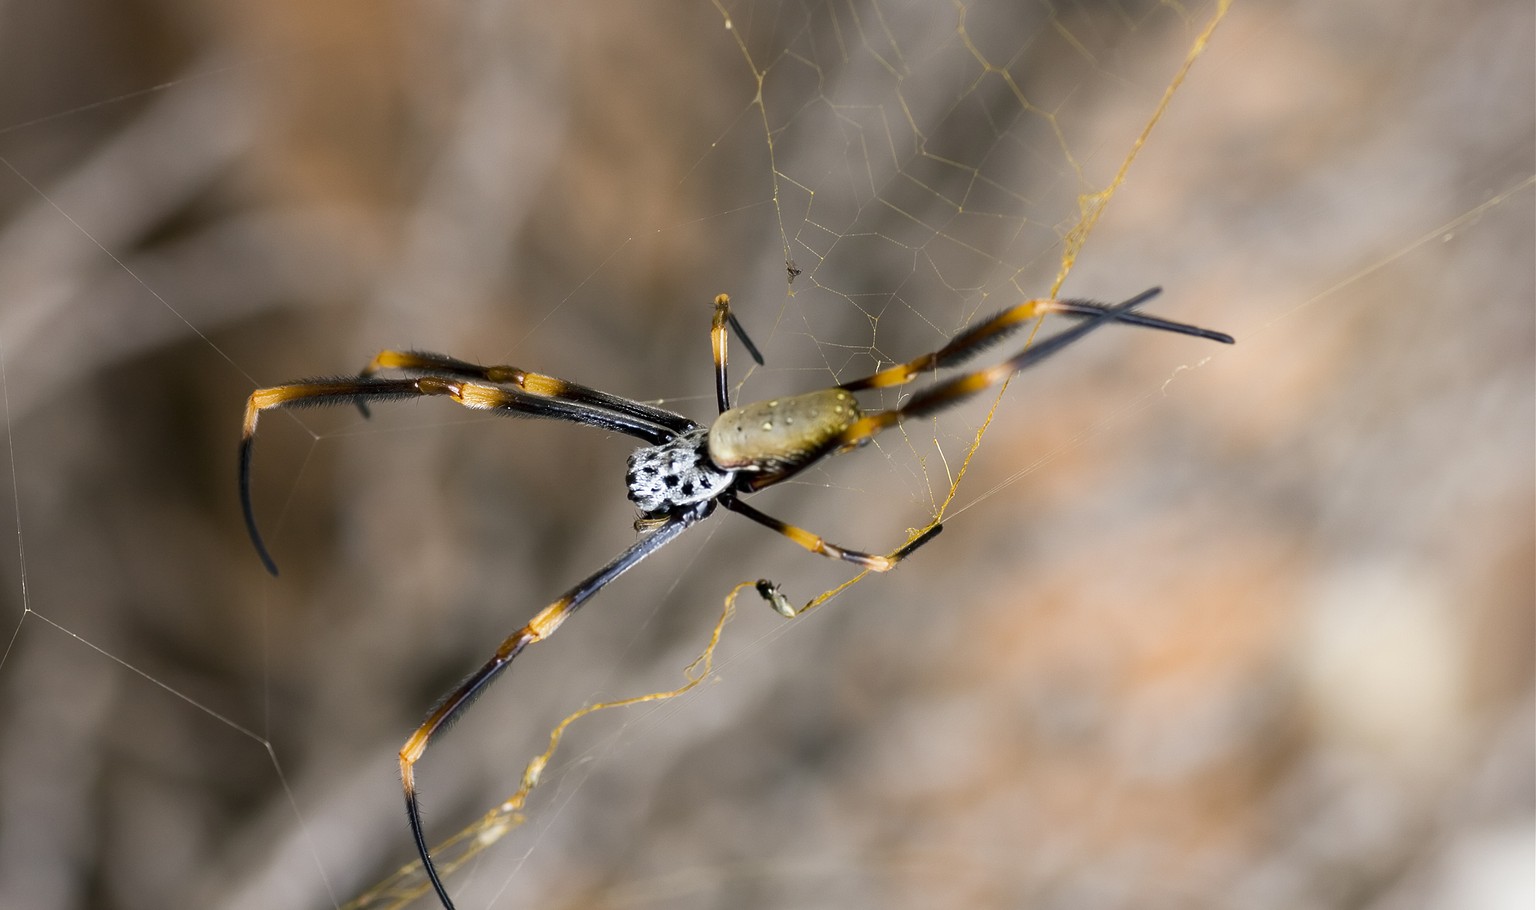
x: 676, y: 473
x: 684, y: 470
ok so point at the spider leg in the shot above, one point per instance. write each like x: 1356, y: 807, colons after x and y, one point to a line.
x: 539, y: 628
x: 717, y: 350
x: 953, y: 391
x: 1087, y: 309
x: 320, y: 392
x: 772, y: 593
x: 724, y: 316
x: 537, y: 384
x: 820, y: 545
x: 746, y: 340
x: 979, y: 337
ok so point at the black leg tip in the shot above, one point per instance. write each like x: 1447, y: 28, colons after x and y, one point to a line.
x: 267, y: 561
x: 919, y: 540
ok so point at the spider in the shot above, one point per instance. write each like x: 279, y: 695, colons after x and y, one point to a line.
x: 685, y: 469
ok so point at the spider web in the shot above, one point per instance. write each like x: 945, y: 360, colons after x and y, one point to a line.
x: 1206, y: 626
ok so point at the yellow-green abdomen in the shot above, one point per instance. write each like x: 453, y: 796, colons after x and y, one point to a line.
x: 771, y: 435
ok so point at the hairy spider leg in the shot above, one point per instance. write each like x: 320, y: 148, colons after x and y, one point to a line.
x: 979, y: 337
x: 953, y: 391
x: 539, y: 628
x: 427, y: 363
x: 322, y: 392
x: 823, y: 547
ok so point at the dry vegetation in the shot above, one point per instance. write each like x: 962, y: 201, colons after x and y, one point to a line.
x: 1260, y: 638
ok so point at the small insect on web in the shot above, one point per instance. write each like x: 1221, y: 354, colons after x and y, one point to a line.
x: 685, y: 469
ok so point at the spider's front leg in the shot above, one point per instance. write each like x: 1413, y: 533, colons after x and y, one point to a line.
x: 653, y: 425
x: 537, y: 385
x: 953, y: 391
x: 539, y: 628
x: 978, y: 338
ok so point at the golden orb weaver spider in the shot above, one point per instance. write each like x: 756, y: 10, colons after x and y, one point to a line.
x: 685, y: 469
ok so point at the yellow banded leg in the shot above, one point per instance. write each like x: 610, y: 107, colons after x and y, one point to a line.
x: 540, y: 385
x: 423, y: 361
x: 312, y: 392
x: 958, y: 349
x: 466, y: 393
x: 820, y: 545
x: 539, y: 628
x: 776, y: 598
x: 953, y: 391
x: 973, y: 340
x: 717, y: 342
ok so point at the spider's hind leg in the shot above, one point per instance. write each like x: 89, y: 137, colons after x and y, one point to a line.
x: 823, y: 547
x: 543, y: 625
x: 776, y: 598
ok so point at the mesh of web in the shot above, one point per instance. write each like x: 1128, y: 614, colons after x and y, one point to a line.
x: 899, y: 192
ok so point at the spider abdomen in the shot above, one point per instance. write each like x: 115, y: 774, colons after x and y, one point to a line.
x: 782, y: 432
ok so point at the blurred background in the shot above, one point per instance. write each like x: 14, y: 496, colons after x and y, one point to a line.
x: 1208, y: 627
